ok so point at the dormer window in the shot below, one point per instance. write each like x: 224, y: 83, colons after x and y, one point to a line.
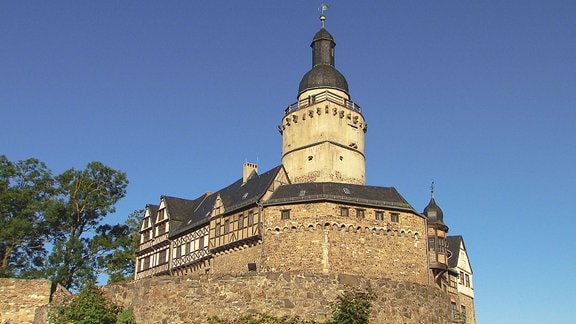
x: 161, y: 214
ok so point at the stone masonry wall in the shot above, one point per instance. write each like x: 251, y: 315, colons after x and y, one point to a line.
x: 316, y: 239
x: 193, y: 300
x: 19, y: 299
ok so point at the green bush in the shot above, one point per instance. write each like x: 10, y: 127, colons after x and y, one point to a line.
x: 352, y: 307
x: 89, y: 307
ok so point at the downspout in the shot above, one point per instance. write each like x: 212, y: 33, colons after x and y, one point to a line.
x: 261, y: 225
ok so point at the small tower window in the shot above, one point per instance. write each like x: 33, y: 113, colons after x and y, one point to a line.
x: 379, y: 215
x: 285, y: 214
x: 394, y: 217
x: 344, y: 211
x: 360, y: 213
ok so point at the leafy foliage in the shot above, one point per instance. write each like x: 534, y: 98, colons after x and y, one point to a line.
x: 126, y: 316
x: 352, y: 307
x: 88, y: 306
x: 84, y: 198
x: 25, y: 189
x: 115, y: 247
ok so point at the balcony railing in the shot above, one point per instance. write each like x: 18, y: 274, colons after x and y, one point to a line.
x: 323, y: 96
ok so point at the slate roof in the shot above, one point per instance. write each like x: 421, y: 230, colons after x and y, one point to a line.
x: 189, y: 214
x: 384, y: 197
x: 454, y: 248
x: 433, y: 212
x: 323, y: 73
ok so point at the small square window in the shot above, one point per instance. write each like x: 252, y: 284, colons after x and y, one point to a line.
x: 285, y: 214
x: 360, y: 213
x: 379, y: 215
x: 344, y: 211
x: 394, y: 217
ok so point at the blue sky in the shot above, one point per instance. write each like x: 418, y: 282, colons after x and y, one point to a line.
x: 478, y: 96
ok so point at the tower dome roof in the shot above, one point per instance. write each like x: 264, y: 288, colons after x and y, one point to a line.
x: 323, y: 73
x: 433, y: 213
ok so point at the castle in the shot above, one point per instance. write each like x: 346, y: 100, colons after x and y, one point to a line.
x: 313, y: 213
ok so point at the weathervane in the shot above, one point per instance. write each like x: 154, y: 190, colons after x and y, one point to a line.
x: 432, y: 189
x: 323, y: 7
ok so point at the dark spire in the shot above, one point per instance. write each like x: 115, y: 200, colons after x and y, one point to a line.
x: 433, y: 212
x: 323, y: 73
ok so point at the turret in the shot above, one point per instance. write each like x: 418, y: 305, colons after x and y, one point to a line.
x: 323, y: 132
x: 437, y: 244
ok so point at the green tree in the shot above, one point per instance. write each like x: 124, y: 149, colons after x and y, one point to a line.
x: 84, y: 198
x: 115, y: 247
x: 25, y: 189
x: 352, y: 307
x: 88, y: 306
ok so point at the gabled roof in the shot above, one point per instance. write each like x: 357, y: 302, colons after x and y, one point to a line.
x: 454, y: 244
x: 385, y: 197
x: 234, y: 197
x: 153, y: 212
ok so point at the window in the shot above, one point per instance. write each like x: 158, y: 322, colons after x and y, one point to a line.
x: 178, y: 251
x: 379, y: 215
x: 467, y: 279
x: 360, y: 213
x: 394, y: 217
x: 241, y: 221
x: 162, y: 228
x: 226, y: 226
x: 431, y: 244
x: 217, y: 229
x: 146, y: 222
x: 161, y: 214
x: 461, y: 277
x: 201, y: 243
x: 285, y: 214
x: 441, y: 245
x: 453, y: 310
x: 250, y: 218
x: 344, y: 211
x: 188, y: 247
x: 162, y: 257
x: 463, y: 313
x: 146, y: 263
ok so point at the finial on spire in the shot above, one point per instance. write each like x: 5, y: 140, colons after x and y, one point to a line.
x: 323, y: 7
x: 432, y: 189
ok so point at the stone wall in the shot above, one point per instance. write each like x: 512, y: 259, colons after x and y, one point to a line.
x: 193, y: 300
x: 316, y: 239
x: 21, y: 299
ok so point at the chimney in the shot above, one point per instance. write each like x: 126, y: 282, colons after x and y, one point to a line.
x: 247, y: 170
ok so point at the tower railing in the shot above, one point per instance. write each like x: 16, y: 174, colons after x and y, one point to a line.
x: 320, y: 97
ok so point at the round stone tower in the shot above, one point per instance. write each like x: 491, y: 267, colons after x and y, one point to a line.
x: 323, y: 132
